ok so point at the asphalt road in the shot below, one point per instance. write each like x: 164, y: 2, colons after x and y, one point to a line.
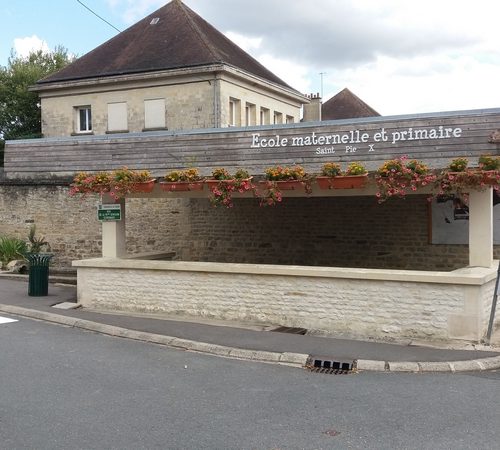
x: 63, y: 388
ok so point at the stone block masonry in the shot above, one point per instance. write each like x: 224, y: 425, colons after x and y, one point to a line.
x: 382, y: 304
x: 334, y: 231
x: 71, y: 231
x: 71, y: 227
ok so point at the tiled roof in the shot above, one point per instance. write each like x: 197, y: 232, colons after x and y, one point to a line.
x: 346, y: 105
x: 172, y: 37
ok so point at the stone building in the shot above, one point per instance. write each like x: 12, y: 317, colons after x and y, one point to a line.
x: 198, y: 79
x: 343, y: 105
x: 170, y: 71
x: 346, y: 105
x: 331, y: 260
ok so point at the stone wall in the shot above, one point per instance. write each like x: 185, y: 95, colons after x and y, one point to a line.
x: 249, y: 95
x: 379, y: 304
x: 187, y: 106
x: 330, y: 231
x: 71, y: 227
x: 192, y: 102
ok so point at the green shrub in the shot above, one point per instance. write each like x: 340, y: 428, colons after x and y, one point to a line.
x: 36, y: 244
x: 10, y: 249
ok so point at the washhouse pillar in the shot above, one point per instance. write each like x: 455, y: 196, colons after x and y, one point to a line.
x: 481, y: 228
x: 113, y: 235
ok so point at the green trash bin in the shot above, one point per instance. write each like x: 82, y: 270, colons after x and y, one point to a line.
x: 38, y: 284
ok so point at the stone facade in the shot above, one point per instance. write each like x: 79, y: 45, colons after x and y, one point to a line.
x: 71, y: 227
x: 334, y: 231
x: 191, y: 101
x: 255, y: 106
x: 187, y: 106
x: 344, y: 302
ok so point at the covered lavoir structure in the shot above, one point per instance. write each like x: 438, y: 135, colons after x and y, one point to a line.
x: 378, y: 300
x: 172, y: 92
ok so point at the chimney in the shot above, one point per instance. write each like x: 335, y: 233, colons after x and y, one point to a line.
x: 312, y: 111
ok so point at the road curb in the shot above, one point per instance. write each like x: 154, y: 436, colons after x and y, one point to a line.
x: 284, y: 358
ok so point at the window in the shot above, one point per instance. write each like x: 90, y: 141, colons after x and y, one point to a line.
x: 278, y: 117
x: 83, y: 119
x: 250, y: 114
x: 154, y: 114
x: 290, y: 119
x: 234, y: 119
x: 264, y: 116
x: 117, y: 117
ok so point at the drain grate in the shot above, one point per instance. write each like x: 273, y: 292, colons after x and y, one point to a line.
x: 330, y: 366
x: 290, y: 330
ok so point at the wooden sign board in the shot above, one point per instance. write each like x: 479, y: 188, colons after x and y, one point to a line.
x: 433, y: 138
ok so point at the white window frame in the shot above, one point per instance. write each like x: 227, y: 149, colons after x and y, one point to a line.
x: 250, y: 113
x: 87, y: 110
x: 264, y: 116
x: 234, y: 112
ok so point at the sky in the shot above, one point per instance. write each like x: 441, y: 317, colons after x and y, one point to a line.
x: 399, y: 56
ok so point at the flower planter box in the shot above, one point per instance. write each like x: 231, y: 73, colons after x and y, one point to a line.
x: 211, y: 183
x: 100, y: 188
x: 349, y: 181
x: 474, y: 178
x: 181, y: 186
x: 288, y: 185
x: 214, y: 183
x: 490, y: 177
x: 144, y: 187
x: 324, y: 182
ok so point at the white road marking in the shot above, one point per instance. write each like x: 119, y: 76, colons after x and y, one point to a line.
x: 6, y: 320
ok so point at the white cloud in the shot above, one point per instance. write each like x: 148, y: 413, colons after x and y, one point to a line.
x: 417, y: 85
x: 249, y: 44
x: 23, y: 46
x: 295, y: 75
x: 399, y: 57
x: 134, y: 10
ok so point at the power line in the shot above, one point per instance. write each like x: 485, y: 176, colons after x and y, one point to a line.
x: 97, y: 15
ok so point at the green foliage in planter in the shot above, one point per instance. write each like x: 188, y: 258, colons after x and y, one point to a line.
x: 459, y: 164
x: 241, y: 174
x: 330, y: 170
x: 11, y: 248
x: 36, y: 244
x: 487, y: 162
x: 221, y: 174
x: 190, y: 175
x: 355, y: 168
x: 280, y: 173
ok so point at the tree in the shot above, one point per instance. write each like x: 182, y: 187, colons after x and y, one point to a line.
x: 20, y: 108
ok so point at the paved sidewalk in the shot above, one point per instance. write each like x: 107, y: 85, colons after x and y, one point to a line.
x: 244, y: 343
